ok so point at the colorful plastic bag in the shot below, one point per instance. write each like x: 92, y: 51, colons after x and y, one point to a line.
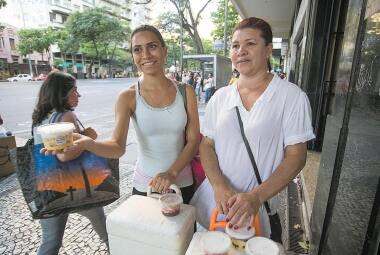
x: 51, y: 187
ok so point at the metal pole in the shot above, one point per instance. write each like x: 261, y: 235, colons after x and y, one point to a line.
x: 28, y: 56
x: 343, y: 134
x: 180, y: 7
x: 225, y: 27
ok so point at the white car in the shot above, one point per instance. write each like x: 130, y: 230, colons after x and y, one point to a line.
x: 20, y: 77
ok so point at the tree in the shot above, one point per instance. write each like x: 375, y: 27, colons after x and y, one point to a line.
x: 3, y: 3
x: 36, y: 40
x: 190, y: 21
x: 218, y: 20
x: 97, y: 34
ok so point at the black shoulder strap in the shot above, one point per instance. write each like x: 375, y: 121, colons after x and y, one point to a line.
x: 182, y: 90
x: 251, y: 157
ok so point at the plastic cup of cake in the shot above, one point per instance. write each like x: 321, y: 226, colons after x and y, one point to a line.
x: 240, y: 236
x: 57, y: 136
x: 170, y: 204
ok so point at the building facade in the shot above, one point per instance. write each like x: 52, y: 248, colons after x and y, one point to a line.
x: 20, y: 14
x: 334, y: 56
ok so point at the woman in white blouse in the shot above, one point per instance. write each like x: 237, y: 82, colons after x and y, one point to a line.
x: 277, y: 123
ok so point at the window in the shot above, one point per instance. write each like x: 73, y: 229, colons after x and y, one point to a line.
x: 52, y: 16
x: 2, y: 44
x: 12, y: 43
x: 14, y: 58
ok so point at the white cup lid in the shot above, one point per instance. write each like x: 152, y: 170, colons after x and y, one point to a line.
x: 215, y: 242
x: 261, y: 246
x: 53, y: 129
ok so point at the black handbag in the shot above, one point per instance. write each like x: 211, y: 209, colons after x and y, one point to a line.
x: 275, y: 223
x: 51, y: 187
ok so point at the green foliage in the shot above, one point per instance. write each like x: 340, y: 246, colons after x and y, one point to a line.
x: 3, y: 3
x: 38, y: 40
x: 209, y: 48
x: 169, y: 22
x: 218, y: 20
x: 95, y: 33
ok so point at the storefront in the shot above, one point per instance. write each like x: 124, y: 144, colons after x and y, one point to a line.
x: 334, y: 56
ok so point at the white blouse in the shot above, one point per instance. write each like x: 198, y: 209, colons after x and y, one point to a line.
x: 281, y: 116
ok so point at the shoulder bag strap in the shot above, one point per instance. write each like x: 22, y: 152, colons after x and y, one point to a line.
x: 182, y: 90
x: 251, y: 157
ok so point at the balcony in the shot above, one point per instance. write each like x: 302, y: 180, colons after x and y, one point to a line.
x: 62, y: 6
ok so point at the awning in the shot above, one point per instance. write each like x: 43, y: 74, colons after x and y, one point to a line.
x: 278, y: 13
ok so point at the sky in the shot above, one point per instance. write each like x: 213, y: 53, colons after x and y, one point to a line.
x: 205, y: 27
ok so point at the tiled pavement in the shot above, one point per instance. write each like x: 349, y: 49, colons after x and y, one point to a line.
x: 20, y: 234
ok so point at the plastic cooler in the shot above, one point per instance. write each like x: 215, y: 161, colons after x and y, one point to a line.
x: 138, y: 227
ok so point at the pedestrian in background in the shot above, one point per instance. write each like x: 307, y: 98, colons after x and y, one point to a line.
x: 167, y: 132
x: 58, y: 97
x: 234, y: 77
x: 275, y: 116
x: 209, y: 87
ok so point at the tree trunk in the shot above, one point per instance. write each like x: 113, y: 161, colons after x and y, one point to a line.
x: 198, y: 42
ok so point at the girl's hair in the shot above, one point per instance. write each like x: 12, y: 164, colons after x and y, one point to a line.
x: 149, y: 28
x: 53, y: 95
x: 259, y: 24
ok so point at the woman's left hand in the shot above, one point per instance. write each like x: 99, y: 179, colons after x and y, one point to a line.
x: 161, y: 182
x: 242, y: 206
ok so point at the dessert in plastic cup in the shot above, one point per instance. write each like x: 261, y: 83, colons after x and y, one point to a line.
x: 215, y: 243
x: 57, y: 136
x: 170, y: 204
x: 240, y: 236
x: 261, y: 246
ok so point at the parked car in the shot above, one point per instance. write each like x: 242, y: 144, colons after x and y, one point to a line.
x: 40, y: 77
x: 20, y: 77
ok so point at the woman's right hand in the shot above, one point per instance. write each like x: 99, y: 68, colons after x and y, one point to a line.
x: 81, y: 142
x: 222, y: 193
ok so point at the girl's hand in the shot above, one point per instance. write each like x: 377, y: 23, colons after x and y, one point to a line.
x: 161, y: 182
x: 90, y: 132
x: 242, y: 206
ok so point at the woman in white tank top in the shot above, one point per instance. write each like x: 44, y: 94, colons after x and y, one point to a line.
x: 168, y: 134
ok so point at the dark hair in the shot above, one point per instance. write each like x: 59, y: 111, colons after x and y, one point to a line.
x: 148, y: 28
x: 53, y: 96
x: 259, y: 24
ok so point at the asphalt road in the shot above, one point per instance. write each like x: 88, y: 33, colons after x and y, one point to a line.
x: 96, y: 106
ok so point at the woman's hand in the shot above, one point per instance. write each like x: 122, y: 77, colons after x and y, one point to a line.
x: 90, y: 132
x: 242, y: 206
x: 81, y: 142
x: 161, y: 182
x: 222, y: 193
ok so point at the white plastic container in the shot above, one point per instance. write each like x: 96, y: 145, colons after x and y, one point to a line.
x: 138, y: 227
x: 57, y: 136
x: 261, y: 246
x: 240, y: 236
x: 215, y: 242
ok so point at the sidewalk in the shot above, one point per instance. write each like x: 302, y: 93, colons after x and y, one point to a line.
x: 20, y: 234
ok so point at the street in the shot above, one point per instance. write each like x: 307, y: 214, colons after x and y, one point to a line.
x: 20, y: 234
x: 18, y: 99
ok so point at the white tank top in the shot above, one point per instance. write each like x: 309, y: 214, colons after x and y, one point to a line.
x: 160, y: 134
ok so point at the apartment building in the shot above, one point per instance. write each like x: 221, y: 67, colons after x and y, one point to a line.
x: 19, y: 14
